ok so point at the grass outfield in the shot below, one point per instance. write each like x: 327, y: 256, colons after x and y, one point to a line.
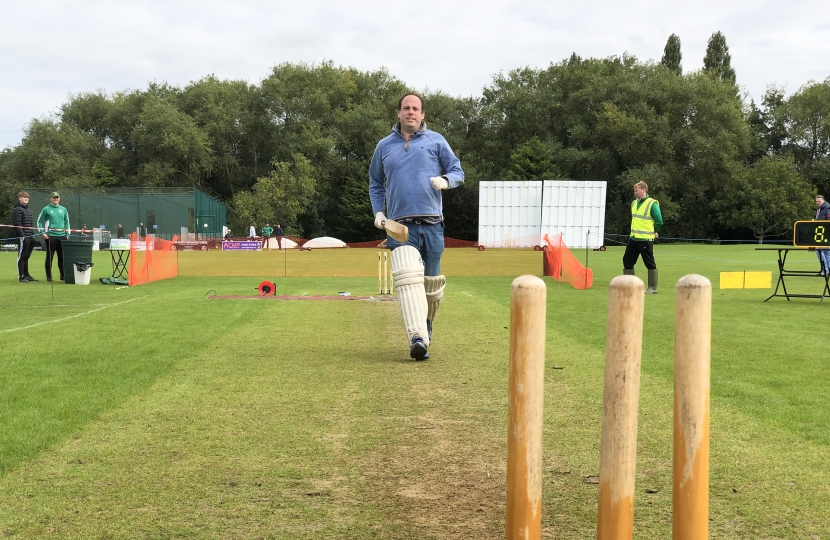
x: 151, y: 412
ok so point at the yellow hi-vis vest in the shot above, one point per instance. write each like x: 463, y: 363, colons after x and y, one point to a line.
x: 642, y: 224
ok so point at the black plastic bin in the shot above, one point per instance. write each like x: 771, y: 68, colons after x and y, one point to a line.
x: 75, y: 251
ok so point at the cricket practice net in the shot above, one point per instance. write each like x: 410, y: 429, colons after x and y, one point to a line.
x: 152, y: 259
x: 561, y: 265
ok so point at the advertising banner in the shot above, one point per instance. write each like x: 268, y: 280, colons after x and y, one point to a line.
x: 245, y: 245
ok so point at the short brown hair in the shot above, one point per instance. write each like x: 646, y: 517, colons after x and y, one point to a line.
x: 642, y: 185
x: 400, y: 101
x: 22, y: 194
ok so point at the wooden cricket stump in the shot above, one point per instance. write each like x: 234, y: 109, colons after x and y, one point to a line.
x: 692, y: 349
x: 621, y: 397
x: 528, y: 298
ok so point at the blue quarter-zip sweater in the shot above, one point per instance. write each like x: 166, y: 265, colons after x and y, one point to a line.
x: 400, y: 172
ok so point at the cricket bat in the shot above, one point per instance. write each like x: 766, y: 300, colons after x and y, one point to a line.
x: 398, y: 231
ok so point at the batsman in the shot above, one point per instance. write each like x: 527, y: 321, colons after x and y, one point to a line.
x: 410, y: 168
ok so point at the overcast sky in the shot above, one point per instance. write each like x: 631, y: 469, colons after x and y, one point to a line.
x: 52, y: 49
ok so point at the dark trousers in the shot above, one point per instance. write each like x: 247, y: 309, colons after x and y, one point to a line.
x: 24, y: 251
x: 634, y: 250
x: 54, y: 244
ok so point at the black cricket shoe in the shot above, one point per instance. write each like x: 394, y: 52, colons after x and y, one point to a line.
x: 30, y: 278
x: 23, y: 279
x: 418, y: 349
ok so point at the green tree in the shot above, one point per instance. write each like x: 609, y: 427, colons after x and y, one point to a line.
x: 534, y: 160
x: 774, y: 116
x: 231, y: 116
x: 765, y: 198
x: 672, y: 56
x: 717, y: 60
x: 280, y: 197
x: 809, y: 116
x: 173, y: 150
x: 53, y: 153
x: 103, y: 174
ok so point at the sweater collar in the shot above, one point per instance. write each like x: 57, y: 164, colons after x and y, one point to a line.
x: 397, y: 129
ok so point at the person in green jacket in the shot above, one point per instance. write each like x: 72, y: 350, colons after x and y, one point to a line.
x: 266, y: 235
x: 646, y: 220
x: 53, y: 224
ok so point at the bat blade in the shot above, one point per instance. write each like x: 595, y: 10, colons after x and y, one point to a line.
x: 398, y: 231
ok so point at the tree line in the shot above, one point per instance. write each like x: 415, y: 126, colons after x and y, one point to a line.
x: 295, y: 148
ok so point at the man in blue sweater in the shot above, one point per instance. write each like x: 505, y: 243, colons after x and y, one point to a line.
x: 409, y: 169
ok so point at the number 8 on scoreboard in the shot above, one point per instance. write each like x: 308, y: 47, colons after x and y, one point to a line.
x: 811, y: 234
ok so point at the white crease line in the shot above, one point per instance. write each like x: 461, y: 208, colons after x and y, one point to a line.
x: 70, y: 317
x: 305, y: 293
x: 470, y: 295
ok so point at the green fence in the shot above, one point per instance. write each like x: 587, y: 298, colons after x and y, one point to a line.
x: 164, y: 211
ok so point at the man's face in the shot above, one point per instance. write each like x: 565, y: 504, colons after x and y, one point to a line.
x: 55, y: 200
x: 411, y: 115
x: 23, y: 200
x: 819, y: 201
x: 639, y: 192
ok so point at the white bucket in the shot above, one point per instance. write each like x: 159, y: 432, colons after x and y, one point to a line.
x: 82, y: 278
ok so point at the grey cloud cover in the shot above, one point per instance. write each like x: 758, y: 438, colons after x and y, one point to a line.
x: 54, y: 49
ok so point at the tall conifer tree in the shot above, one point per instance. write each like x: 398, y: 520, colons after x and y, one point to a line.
x: 672, y: 56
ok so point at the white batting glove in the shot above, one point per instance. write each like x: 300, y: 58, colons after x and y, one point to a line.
x: 439, y: 182
x: 380, y: 220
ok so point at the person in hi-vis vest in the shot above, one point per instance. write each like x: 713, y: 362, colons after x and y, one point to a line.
x: 646, y: 221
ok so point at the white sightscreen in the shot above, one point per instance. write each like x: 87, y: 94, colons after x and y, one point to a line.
x: 520, y: 213
x: 509, y: 213
x: 576, y: 209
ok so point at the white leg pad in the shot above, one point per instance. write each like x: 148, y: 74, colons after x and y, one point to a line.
x: 434, y: 287
x: 408, y: 273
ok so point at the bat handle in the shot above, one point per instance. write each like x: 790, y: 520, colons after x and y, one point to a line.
x: 383, y: 224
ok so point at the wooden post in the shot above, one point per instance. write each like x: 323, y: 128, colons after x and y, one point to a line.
x: 621, y: 397
x: 692, y: 346
x: 526, y: 392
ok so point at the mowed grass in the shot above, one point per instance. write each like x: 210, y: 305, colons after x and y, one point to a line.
x: 152, y: 412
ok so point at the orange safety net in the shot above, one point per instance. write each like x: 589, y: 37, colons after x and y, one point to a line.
x: 561, y: 265
x: 152, y: 259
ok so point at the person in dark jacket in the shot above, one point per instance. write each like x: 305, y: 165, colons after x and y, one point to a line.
x: 120, y: 232
x: 279, y: 234
x: 24, y: 230
x: 823, y: 213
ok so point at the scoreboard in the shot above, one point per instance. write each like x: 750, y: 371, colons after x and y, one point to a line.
x: 815, y: 234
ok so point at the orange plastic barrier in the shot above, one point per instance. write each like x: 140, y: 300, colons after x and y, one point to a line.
x: 561, y: 265
x: 152, y: 259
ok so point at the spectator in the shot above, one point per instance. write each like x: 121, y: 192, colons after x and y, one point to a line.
x: 120, y: 231
x: 646, y: 221
x: 142, y: 231
x: 229, y: 235
x: 53, y: 223
x: 252, y: 232
x: 266, y: 235
x: 24, y: 230
x: 823, y: 213
x: 278, y: 233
